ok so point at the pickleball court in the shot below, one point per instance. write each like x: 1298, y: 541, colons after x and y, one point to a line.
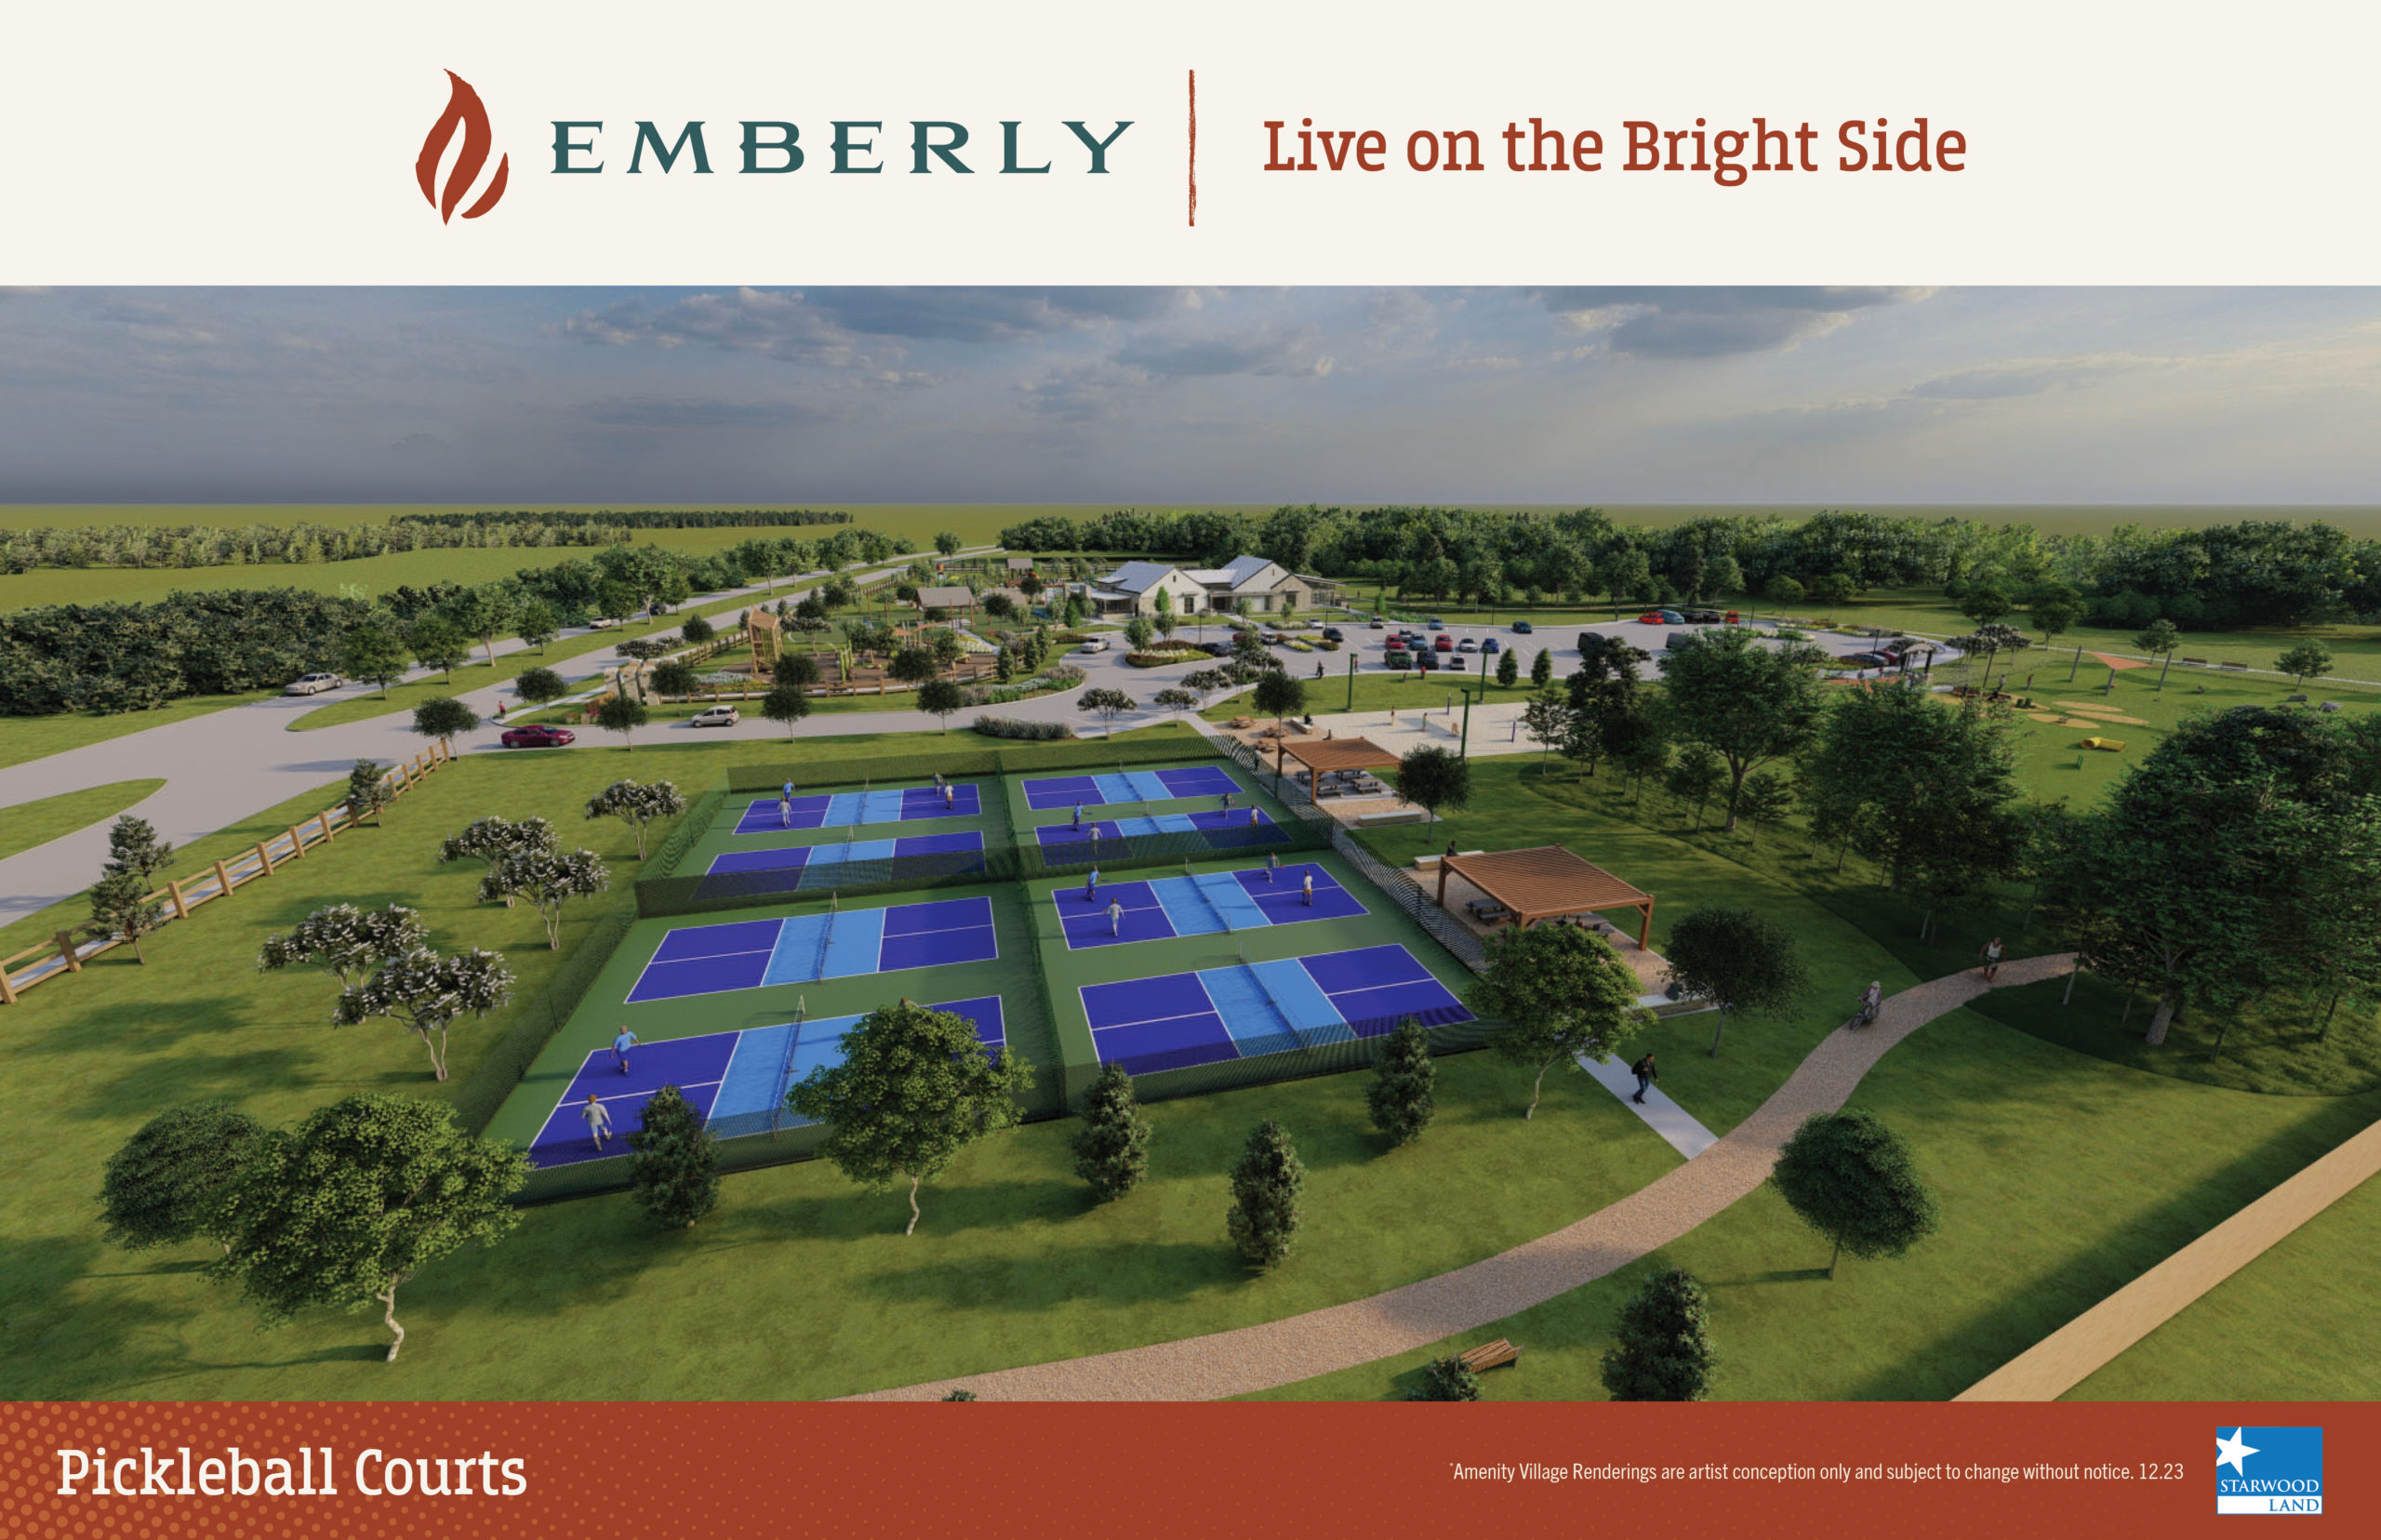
x: 1252, y: 1009
x: 803, y: 949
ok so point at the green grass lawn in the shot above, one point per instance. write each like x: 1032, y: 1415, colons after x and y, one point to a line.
x: 37, y: 823
x: 2060, y: 1178
x: 2295, y: 1325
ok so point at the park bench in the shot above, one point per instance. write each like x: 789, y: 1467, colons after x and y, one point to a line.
x: 2237, y: 667
x: 2194, y: 662
x: 1490, y: 1355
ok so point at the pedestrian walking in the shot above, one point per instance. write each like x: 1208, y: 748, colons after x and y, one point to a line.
x: 1646, y: 1075
x: 1115, y: 918
x: 1318, y: 668
x: 599, y: 1121
x: 1091, y: 886
x: 1991, y: 958
x: 620, y: 1046
x: 1306, y: 894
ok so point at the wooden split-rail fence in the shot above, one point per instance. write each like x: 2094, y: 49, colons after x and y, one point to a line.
x: 65, y: 953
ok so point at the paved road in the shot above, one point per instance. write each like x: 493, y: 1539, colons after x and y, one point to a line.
x: 230, y: 764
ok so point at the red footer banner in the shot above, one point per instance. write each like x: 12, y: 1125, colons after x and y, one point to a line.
x: 576, y: 1470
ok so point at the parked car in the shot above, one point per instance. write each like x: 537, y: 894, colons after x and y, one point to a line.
x: 602, y: 623
x: 1378, y: 624
x: 1454, y: 660
x: 1862, y: 661
x: 1426, y: 661
x: 1435, y: 625
x: 314, y: 683
x: 1523, y: 628
x: 1096, y: 644
x: 1651, y: 617
x: 1332, y: 633
x: 1492, y: 646
x: 1700, y: 617
x: 1672, y: 618
x: 1445, y: 644
x: 1270, y: 638
x: 1397, y: 658
x: 1216, y: 649
x: 538, y: 736
x: 714, y: 716
x: 1467, y: 644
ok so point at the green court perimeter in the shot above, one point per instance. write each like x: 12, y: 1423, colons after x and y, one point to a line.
x: 1035, y: 975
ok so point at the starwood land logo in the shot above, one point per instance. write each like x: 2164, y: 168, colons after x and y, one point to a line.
x: 466, y: 115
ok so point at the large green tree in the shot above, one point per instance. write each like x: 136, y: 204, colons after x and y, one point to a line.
x: 348, y: 1207
x: 1266, y: 1184
x: 2218, y: 869
x: 1747, y: 702
x: 1402, y: 1097
x: 166, y: 1184
x: 1737, y: 958
x: 1662, y: 1348
x: 427, y: 992
x: 1603, y: 693
x: 675, y: 1171
x: 548, y: 878
x: 1112, y: 1145
x: 446, y: 719
x: 348, y: 942
x: 916, y: 1088
x: 1430, y: 777
x: 373, y: 652
x: 1565, y: 994
x: 1853, y: 1180
x: 1921, y: 783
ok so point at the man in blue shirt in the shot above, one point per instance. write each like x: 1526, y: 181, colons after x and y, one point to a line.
x: 620, y: 1046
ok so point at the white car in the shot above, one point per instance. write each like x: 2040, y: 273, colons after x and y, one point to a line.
x: 602, y: 623
x: 1096, y: 644
x: 315, y: 683
x: 714, y: 716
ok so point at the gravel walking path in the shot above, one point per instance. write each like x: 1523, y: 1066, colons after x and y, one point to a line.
x: 1282, y: 1352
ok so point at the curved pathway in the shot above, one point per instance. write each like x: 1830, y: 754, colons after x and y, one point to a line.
x: 1341, y: 1336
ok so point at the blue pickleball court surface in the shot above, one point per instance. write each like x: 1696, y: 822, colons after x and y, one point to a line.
x: 735, y: 1080
x: 1097, y: 839
x: 746, y: 954
x: 1044, y: 792
x: 1242, y: 1012
x: 827, y: 866
x: 1205, y: 904
x: 842, y: 809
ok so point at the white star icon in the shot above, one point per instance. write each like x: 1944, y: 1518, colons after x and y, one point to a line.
x: 2231, y: 1451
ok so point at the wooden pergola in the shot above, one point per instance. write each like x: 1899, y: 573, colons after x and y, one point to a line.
x: 1323, y: 756
x: 1545, y: 882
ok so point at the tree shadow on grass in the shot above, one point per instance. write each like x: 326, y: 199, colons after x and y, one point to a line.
x: 1118, y: 1275
x: 1991, y: 1336
x: 77, y: 1332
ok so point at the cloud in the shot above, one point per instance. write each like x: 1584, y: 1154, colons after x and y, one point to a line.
x: 779, y: 325
x: 992, y: 314
x: 1258, y: 352
x: 1713, y: 322
x: 684, y: 412
x: 2027, y: 378
x: 869, y: 327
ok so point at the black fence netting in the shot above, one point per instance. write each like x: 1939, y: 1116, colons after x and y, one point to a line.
x: 1065, y: 754
x: 492, y: 1079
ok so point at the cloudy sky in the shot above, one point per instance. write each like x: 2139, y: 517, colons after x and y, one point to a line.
x: 1560, y: 395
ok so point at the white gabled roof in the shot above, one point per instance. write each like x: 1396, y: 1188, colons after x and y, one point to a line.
x: 1137, y: 576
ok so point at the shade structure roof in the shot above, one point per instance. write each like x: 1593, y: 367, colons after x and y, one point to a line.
x: 1328, y: 754
x: 1546, y: 881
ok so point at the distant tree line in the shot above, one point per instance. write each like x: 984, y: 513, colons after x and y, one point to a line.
x: 642, y: 518
x: 305, y: 543
x: 111, y: 657
x: 2254, y: 572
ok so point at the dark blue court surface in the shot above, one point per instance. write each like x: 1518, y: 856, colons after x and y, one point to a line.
x: 1206, y: 903
x: 1242, y: 1012
x: 1097, y: 839
x: 845, y: 943
x: 793, y: 867
x: 839, y: 809
x: 736, y: 1080
x: 1044, y: 792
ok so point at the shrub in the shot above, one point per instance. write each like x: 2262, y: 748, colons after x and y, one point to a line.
x: 1447, y: 1379
x: 1265, y: 1185
x: 1017, y: 727
x: 1158, y: 657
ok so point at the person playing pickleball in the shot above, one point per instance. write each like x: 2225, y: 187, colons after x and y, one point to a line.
x: 1115, y: 918
x: 620, y: 1046
x: 1273, y: 865
x: 599, y: 1121
x: 785, y: 811
x: 1091, y: 886
x: 1306, y: 894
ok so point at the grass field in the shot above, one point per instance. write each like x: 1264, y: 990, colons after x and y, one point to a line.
x: 2295, y: 1325
x: 37, y: 823
x: 2060, y: 1178
x: 24, y: 739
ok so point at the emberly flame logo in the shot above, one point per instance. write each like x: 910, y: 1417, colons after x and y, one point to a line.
x: 463, y: 113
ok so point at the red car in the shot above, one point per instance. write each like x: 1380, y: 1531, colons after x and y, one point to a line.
x: 538, y: 736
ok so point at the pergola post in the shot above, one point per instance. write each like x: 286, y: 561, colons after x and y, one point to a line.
x: 1443, y: 882
x: 1646, y: 927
